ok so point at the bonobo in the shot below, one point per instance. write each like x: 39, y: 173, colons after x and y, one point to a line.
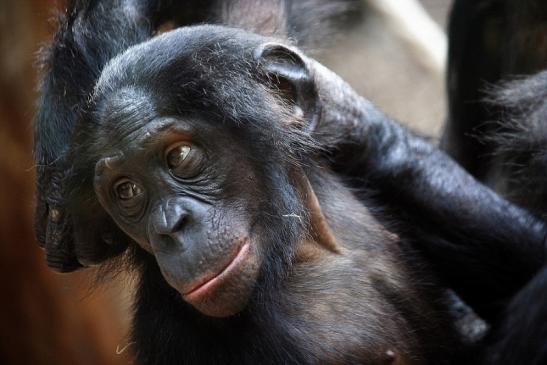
x: 195, y: 150
x: 92, y: 32
x: 198, y: 145
x: 206, y: 150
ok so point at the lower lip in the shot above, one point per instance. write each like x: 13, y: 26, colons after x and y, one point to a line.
x: 205, y: 289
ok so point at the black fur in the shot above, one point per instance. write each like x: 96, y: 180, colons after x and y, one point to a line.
x: 496, y: 130
x: 454, y: 221
x: 520, y: 155
x: 491, y: 252
x: 490, y: 41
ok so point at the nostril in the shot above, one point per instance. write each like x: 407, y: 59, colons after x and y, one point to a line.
x: 179, y: 224
x: 166, y: 222
x: 169, y: 238
x: 168, y: 243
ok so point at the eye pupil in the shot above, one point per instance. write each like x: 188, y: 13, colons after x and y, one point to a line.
x: 177, y: 155
x: 128, y: 190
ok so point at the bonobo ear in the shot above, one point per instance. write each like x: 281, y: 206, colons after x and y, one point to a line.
x: 288, y: 72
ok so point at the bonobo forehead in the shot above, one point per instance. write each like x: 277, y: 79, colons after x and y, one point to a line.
x: 124, y: 112
x: 205, y: 72
x: 179, y: 49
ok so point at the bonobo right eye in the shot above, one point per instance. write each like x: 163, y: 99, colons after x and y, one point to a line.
x: 130, y: 198
x: 127, y: 189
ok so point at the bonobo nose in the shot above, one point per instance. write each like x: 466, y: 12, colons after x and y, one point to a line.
x: 168, y: 218
x: 175, y: 225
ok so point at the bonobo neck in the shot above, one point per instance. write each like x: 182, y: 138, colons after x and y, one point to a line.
x: 348, y: 219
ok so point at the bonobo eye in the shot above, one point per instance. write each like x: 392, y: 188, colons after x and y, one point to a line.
x: 126, y: 190
x: 184, y: 160
x: 177, y: 154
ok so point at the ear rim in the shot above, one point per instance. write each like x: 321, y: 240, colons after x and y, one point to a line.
x: 281, y: 61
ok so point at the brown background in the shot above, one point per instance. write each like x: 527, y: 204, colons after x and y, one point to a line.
x: 48, y: 318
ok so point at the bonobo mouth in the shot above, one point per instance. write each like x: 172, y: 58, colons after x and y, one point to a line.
x: 207, y: 286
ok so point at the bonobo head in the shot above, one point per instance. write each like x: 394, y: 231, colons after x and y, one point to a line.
x: 192, y: 144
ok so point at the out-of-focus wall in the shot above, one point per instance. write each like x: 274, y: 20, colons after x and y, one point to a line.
x: 385, y: 69
x: 49, y: 318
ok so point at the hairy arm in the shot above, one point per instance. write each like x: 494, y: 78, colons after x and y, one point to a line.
x: 482, y: 245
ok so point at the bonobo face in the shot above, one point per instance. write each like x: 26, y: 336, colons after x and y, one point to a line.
x: 196, y: 135
x: 172, y: 190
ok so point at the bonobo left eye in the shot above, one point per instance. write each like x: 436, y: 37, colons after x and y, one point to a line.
x: 184, y: 160
x: 177, y: 154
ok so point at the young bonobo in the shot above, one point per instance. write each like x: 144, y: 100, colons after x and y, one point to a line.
x: 195, y: 150
x: 206, y: 151
x: 202, y: 154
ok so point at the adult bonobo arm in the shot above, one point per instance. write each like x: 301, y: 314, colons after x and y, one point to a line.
x: 485, y: 247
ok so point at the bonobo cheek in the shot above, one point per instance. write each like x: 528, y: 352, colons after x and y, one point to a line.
x: 228, y: 293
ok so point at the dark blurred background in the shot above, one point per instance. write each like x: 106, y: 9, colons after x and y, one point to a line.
x: 49, y: 318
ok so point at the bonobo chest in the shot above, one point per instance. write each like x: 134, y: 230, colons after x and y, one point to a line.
x: 339, y: 314
x: 359, y: 307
